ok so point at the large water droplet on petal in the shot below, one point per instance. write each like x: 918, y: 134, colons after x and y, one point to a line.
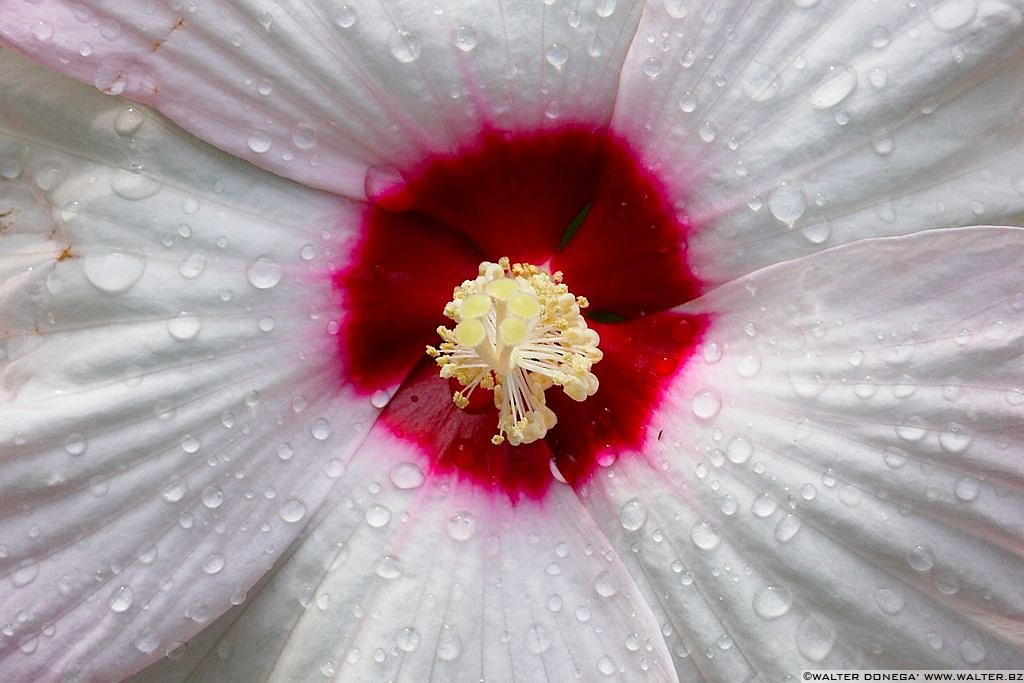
x: 835, y: 86
x: 114, y: 269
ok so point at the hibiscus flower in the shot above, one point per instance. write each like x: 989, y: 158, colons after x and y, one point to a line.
x: 791, y: 437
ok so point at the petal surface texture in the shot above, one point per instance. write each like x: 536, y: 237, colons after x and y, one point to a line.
x: 406, y: 577
x: 782, y: 128
x: 334, y: 95
x: 836, y: 481
x: 165, y: 378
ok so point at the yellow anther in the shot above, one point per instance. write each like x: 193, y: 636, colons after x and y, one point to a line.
x: 518, y: 332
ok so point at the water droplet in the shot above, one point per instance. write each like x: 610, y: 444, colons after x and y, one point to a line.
x: 42, y: 30
x: 920, y: 558
x: 389, y: 568
x: 380, y: 398
x: 537, y: 639
x: 705, y: 536
x: 955, y: 438
x: 321, y: 429
x: 184, y: 326
x: 132, y: 185
x: 304, y: 136
x: 214, y: 563
x: 771, y: 602
x: 787, y: 528
x: 174, y: 490
x: 49, y: 175
x: 881, y: 142
x: 259, y: 141
x: 128, y: 121
x: 408, y: 639
x: 890, y: 600
x: 815, y: 636
x: 25, y: 574
x: 377, y: 515
x: 605, y: 8
x: 465, y: 38
x: 787, y: 203
x: 147, y: 641
x: 345, y: 17
x: 404, y: 46
x: 75, y: 444
x: 764, y: 506
x: 192, y: 266
x: 760, y: 82
x: 632, y: 515
x: 213, y: 497
x: 606, y: 666
x: 972, y: 652
x: 651, y: 67
x: 449, y: 644
x: 190, y: 443
x: 949, y: 15
x: 293, y: 511
x: 688, y: 102
x: 739, y: 450
x: 706, y: 404
x: 879, y: 37
x: 112, y: 269
x: 406, y: 475
x: 677, y: 9
x: 604, y: 585
x: 557, y: 55
x: 264, y: 273
x: 967, y: 488
x: 122, y: 599
x: 461, y: 527
x: 707, y: 132
x: 911, y: 429
x: 836, y: 85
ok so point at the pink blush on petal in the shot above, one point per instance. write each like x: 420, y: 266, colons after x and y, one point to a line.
x: 514, y: 194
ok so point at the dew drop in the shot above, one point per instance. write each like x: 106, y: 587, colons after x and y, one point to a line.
x: 706, y: 404
x: 787, y: 203
x: 190, y: 443
x: 304, y: 136
x: 890, y: 600
x: 771, y: 602
x: 972, y: 652
x: 606, y: 666
x: 122, y: 599
x: 345, y: 17
x: 213, y: 497
x: 787, y: 528
x: 25, y: 574
x: 739, y: 450
x: 557, y: 55
x: 950, y: 15
x: 408, y: 639
x: 920, y: 558
x: 75, y: 444
x: 264, y: 273
x: 677, y: 9
x: 465, y: 38
x: 837, y: 84
x: 688, y: 102
x: 128, y: 120
x: 293, y: 511
x: 113, y: 270
x: 192, y: 266
x: 955, y: 438
x: 815, y: 636
x: 879, y: 37
x: 967, y: 488
x: 389, y: 568
x: 42, y: 30
x: 449, y: 644
x: 174, y: 491
x: 651, y: 67
x: 632, y: 515
x: 184, y: 326
x: 604, y: 585
x: 214, y: 563
x: 461, y: 527
x: 406, y: 475
x: 147, y: 641
x: 259, y: 141
x: 321, y: 429
x: 377, y: 515
x: 763, y: 506
x: 132, y: 185
x: 404, y: 47
x: 705, y: 536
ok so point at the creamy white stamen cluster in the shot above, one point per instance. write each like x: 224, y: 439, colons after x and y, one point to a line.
x: 518, y: 332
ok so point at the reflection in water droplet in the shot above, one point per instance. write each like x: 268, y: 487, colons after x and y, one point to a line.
x: 787, y: 528
x: 184, y: 326
x: 787, y: 203
x: 293, y: 511
x: 75, y: 444
x: 632, y: 515
x: 406, y: 475
x: 704, y: 536
x: 122, y: 599
x: 377, y: 515
x: 408, y: 639
x: 815, y: 636
x: 706, y: 404
x: 259, y: 141
x: 835, y: 86
x: 214, y: 563
x: 771, y: 602
x: 920, y: 558
x: 113, y: 269
x: 465, y: 38
x: 404, y: 46
x: 557, y: 55
x: 461, y: 527
x: 890, y: 600
x: 128, y: 121
x: 264, y: 273
x: 132, y: 185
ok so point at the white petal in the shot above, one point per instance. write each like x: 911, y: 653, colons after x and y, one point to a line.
x: 416, y: 578
x: 159, y: 400
x: 837, y: 482
x: 784, y: 128
x: 327, y: 93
